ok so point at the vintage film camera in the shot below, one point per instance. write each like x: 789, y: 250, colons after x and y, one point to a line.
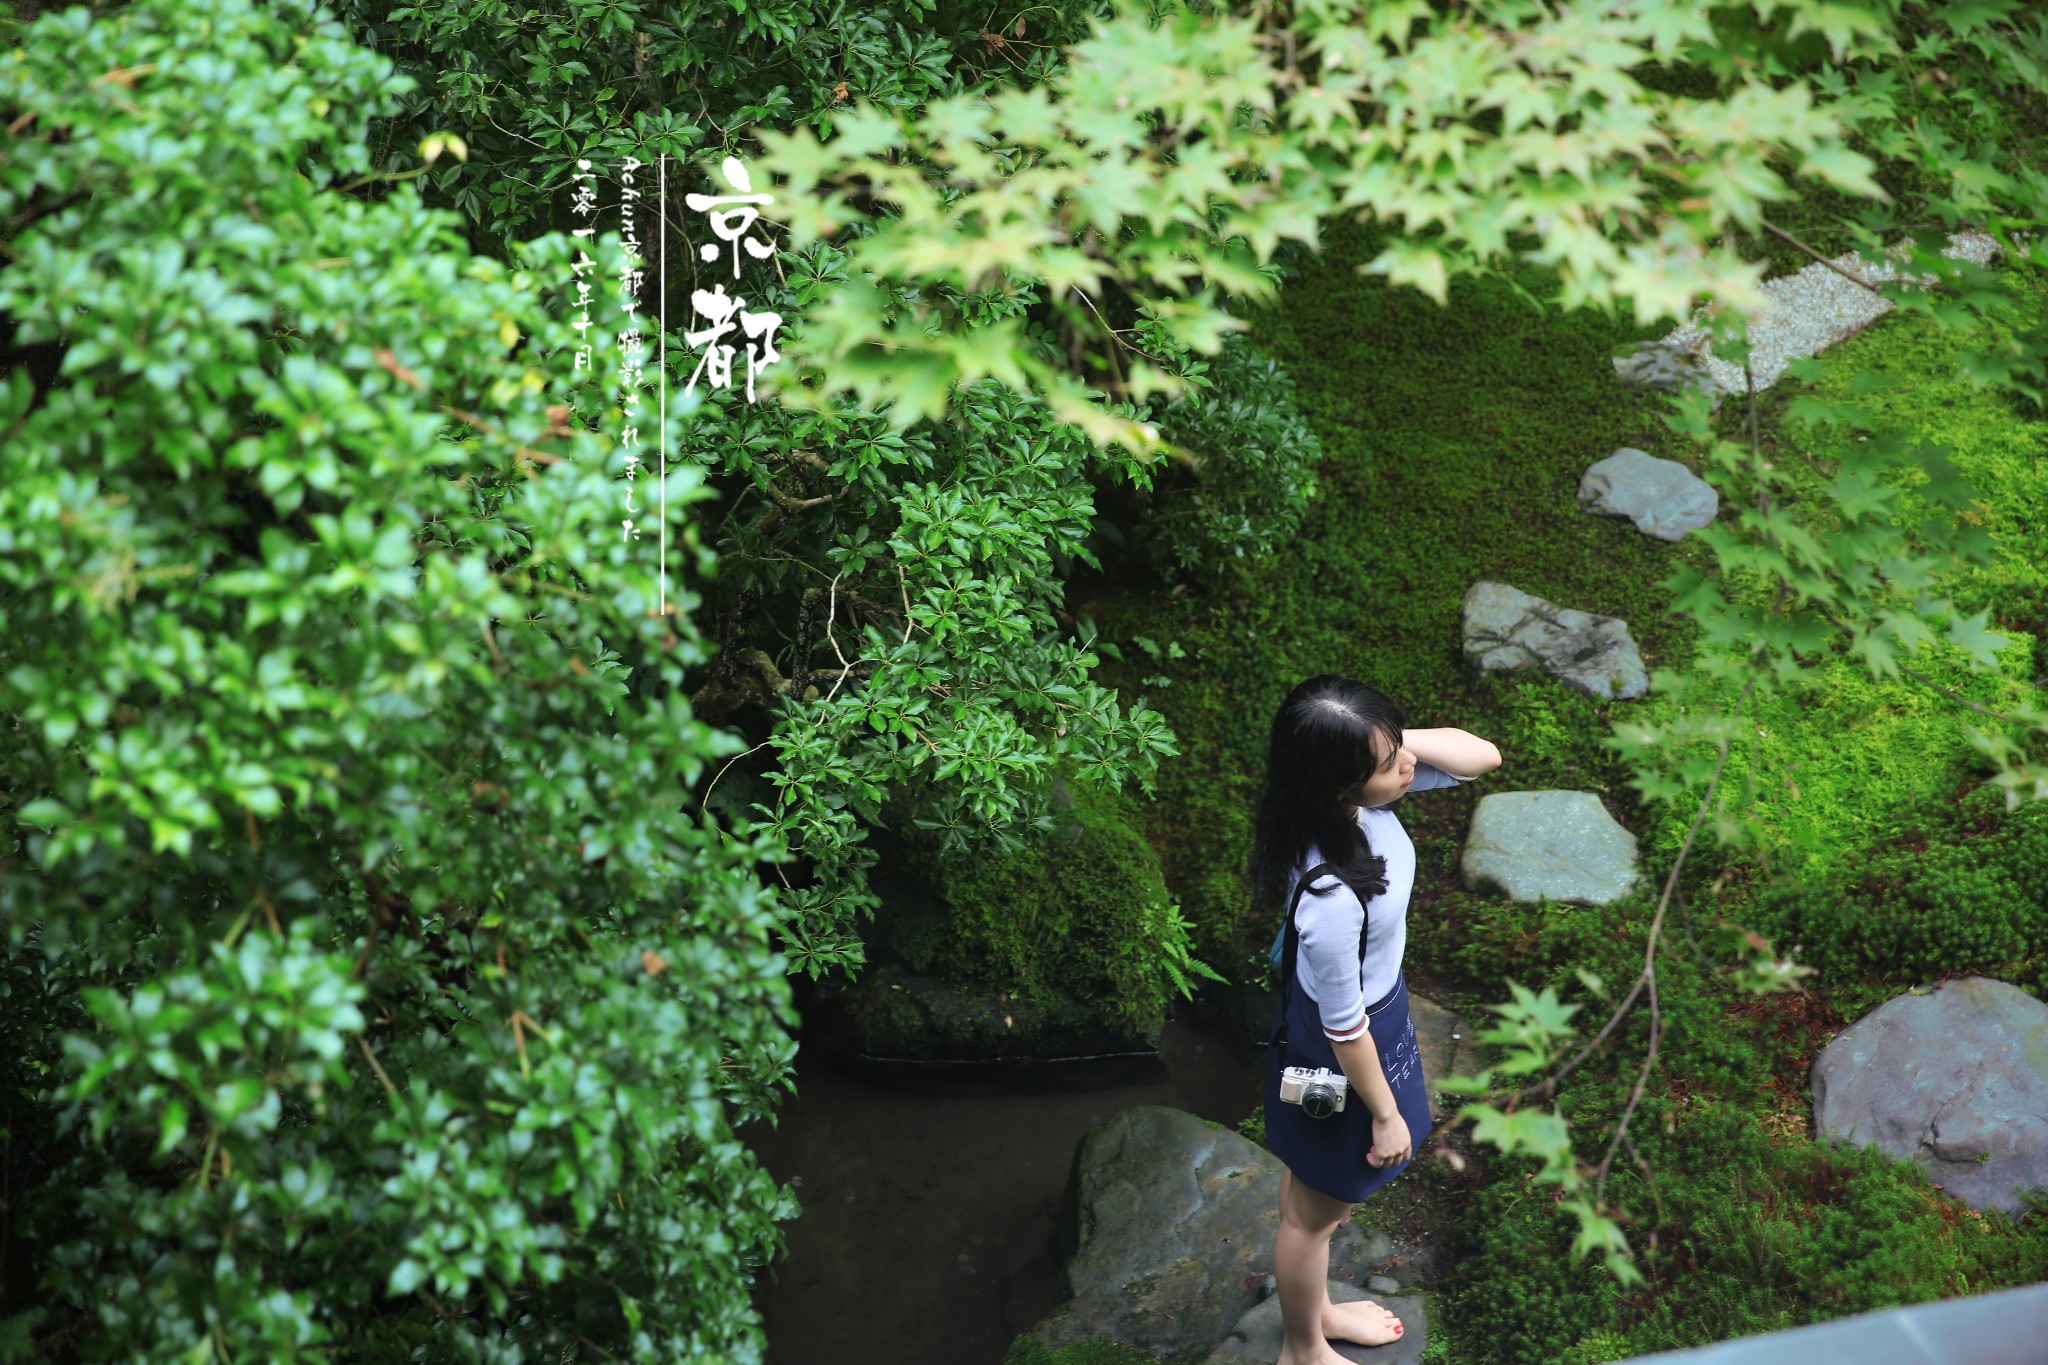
x: 1320, y: 1092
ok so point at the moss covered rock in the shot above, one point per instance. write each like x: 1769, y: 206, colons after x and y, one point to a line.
x: 892, y: 1012
x: 1056, y: 951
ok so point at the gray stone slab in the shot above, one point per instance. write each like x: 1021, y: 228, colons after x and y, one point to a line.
x: 1662, y: 497
x: 1503, y: 627
x: 1954, y: 1078
x: 1435, y: 1035
x: 1548, y: 845
x: 1256, y: 1339
x: 1667, y: 366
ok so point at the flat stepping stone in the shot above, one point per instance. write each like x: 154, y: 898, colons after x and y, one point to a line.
x: 1668, y: 367
x: 1811, y: 310
x: 1662, y: 497
x: 1941, y: 1079
x: 1256, y: 1339
x: 1548, y: 845
x: 1438, y: 1034
x: 1504, y: 627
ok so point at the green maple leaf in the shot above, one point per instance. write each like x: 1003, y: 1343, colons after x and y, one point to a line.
x: 1981, y: 645
x: 1026, y: 117
x: 1859, y: 495
x: 1963, y: 16
x: 1115, y: 191
x: 863, y: 131
x: 1413, y: 263
x: 1883, y: 659
x: 1908, y: 630
x: 1670, y: 26
x: 1845, y: 170
x: 1818, y: 412
x: 1841, y: 25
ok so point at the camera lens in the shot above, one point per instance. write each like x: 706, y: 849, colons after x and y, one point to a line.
x: 1315, y: 1102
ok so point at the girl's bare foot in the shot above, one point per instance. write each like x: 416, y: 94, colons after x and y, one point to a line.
x: 1364, y: 1322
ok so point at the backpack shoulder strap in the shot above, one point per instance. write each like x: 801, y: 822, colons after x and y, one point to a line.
x: 1293, y: 939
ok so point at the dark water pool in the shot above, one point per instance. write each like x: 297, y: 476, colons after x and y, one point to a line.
x: 927, y: 1232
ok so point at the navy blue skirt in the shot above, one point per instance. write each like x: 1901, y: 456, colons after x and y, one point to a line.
x: 1328, y: 1154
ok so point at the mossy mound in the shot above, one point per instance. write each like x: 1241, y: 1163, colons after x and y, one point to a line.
x: 1053, y: 951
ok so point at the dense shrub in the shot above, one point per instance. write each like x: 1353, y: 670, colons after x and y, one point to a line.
x: 372, y: 994
x: 1256, y: 453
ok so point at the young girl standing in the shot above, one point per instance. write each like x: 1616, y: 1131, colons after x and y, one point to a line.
x: 1331, y: 854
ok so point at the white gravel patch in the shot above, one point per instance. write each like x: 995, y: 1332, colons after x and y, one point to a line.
x: 1812, y: 310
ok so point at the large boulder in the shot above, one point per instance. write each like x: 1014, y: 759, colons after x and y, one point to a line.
x: 1955, y: 1078
x: 1168, y: 1234
x: 1504, y: 627
x: 1662, y: 497
x: 1548, y: 845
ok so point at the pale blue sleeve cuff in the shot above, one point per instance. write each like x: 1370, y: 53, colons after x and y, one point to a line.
x: 1428, y: 777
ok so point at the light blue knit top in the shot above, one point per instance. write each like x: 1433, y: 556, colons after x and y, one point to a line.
x: 1327, y: 965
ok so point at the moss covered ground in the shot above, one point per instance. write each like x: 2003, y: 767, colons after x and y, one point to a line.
x: 1455, y: 441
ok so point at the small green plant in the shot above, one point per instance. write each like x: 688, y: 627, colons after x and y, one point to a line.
x: 1177, y: 953
x: 1436, y: 1344
x: 1251, y: 449
x: 1094, y: 1351
x: 1598, y: 1349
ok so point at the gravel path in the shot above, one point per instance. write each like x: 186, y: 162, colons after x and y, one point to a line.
x: 1812, y: 310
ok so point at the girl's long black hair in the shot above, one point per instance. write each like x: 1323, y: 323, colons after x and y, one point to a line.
x: 1320, y: 748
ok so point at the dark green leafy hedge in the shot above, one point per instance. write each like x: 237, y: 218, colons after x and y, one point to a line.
x: 373, y: 995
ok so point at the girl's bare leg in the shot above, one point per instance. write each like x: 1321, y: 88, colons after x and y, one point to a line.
x: 1301, y: 1265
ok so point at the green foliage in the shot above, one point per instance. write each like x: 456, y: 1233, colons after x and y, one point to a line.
x: 1255, y: 454
x: 1012, y: 186
x: 1080, y: 912
x: 1094, y: 1351
x: 534, y: 87
x: 381, y: 1002
x: 1438, y: 439
x: 1372, y: 584
x: 884, y: 609
x: 1957, y: 886
x: 252, y: 587
x: 1756, y: 1228
x: 1756, y: 1234
x: 1543, y: 1299
x: 990, y: 198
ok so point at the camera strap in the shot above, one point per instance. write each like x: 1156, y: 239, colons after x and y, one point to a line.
x: 1289, y: 949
